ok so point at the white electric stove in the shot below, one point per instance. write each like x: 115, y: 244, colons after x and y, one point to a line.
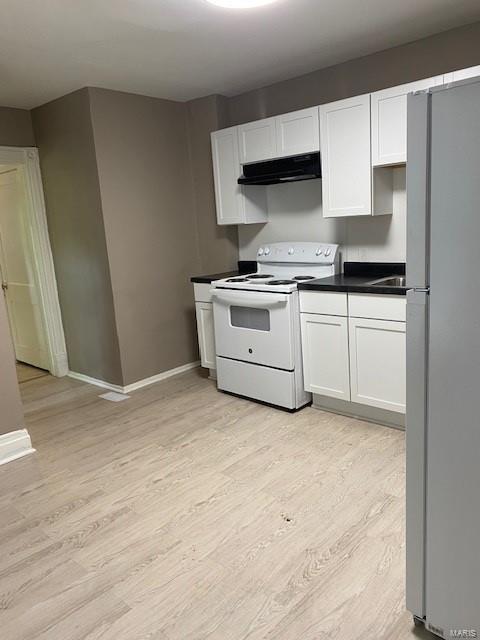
x: 257, y: 323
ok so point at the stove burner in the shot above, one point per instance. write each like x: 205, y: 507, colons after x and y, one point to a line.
x: 237, y: 280
x: 259, y: 276
x: 278, y: 282
x: 299, y: 278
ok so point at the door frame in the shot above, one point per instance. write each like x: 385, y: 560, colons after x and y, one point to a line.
x: 27, y: 162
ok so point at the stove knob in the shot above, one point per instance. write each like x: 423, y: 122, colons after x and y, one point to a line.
x: 328, y: 252
x: 267, y: 251
x: 260, y: 251
x: 291, y: 251
x: 318, y: 252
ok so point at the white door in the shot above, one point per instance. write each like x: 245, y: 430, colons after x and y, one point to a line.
x: 20, y: 290
x: 345, y: 148
x: 254, y: 327
x: 226, y: 171
x: 257, y: 140
x: 377, y: 363
x: 325, y: 355
x: 206, y: 334
x: 298, y: 132
x: 389, y: 121
x: 462, y: 74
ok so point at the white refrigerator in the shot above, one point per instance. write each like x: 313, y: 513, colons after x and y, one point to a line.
x: 443, y: 359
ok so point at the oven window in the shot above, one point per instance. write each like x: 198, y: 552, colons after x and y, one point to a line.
x: 250, y: 318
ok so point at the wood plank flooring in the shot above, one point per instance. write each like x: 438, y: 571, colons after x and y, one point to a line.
x: 26, y: 372
x: 186, y: 514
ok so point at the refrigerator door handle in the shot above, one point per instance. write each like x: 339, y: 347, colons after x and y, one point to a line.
x: 416, y: 438
x: 413, y: 298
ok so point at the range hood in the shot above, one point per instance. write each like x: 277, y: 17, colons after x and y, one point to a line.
x: 290, y: 169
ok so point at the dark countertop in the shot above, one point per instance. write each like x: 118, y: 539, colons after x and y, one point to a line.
x: 244, y: 266
x: 214, y: 276
x: 357, y: 278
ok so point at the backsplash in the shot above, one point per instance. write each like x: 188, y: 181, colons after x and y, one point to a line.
x: 295, y: 213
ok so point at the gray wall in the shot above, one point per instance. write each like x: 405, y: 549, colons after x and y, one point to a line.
x: 295, y: 210
x: 16, y: 128
x: 151, y: 229
x: 129, y: 223
x: 64, y: 137
x: 11, y: 414
x: 218, y: 245
x: 447, y: 51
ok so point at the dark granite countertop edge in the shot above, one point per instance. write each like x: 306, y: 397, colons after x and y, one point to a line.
x: 358, y: 277
x: 215, y: 276
x: 244, y: 266
x: 353, y: 288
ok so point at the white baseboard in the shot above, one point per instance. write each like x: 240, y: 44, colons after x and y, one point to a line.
x: 160, y: 376
x: 95, y: 381
x: 135, y: 385
x: 14, y: 445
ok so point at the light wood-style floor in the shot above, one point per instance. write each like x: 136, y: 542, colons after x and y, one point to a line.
x: 26, y: 372
x: 186, y: 514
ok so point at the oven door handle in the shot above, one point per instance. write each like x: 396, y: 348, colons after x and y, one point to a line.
x: 246, y: 299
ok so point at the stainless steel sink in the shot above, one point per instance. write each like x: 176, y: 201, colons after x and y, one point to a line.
x: 391, y: 281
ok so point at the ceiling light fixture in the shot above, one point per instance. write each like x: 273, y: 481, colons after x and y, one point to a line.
x: 241, y: 4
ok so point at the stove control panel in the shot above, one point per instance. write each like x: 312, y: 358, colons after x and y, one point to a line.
x: 298, y: 252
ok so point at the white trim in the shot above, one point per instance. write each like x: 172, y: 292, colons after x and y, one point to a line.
x: 160, y: 376
x: 14, y: 445
x: 95, y: 381
x: 26, y: 158
x: 135, y: 385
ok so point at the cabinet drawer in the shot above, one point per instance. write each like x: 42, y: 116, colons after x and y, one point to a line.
x: 202, y: 291
x: 330, y: 303
x: 379, y: 307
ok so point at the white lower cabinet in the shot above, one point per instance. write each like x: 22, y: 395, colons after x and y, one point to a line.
x: 354, y: 347
x: 206, y: 335
x: 325, y: 355
x: 377, y: 363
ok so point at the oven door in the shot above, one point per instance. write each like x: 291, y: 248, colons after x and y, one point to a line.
x: 254, y: 327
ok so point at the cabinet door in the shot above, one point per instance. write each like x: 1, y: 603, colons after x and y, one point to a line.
x: 298, y: 132
x: 325, y: 355
x: 462, y: 74
x: 389, y: 121
x: 206, y: 335
x: 257, y: 140
x: 226, y: 170
x: 377, y: 363
x: 345, y: 148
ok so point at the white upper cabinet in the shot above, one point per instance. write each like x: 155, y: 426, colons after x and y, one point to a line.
x: 286, y: 135
x: 257, y: 140
x: 234, y: 205
x: 462, y: 74
x: 298, y: 132
x: 389, y: 121
x: 345, y: 149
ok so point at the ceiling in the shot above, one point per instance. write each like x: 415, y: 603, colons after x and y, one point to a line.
x: 183, y: 49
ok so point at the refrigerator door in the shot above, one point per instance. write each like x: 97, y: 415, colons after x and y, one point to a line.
x: 452, y: 596
x: 417, y: 306
x: 418, y: 185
